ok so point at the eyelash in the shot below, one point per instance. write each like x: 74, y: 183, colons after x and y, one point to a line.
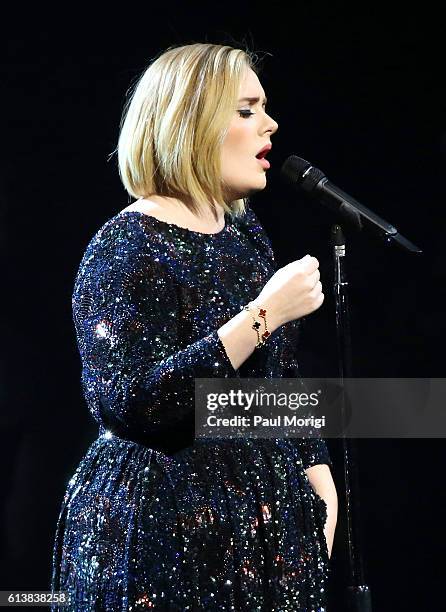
x: 240, y: 112
x: 246, y: 111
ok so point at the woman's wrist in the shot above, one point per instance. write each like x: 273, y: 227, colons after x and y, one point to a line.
x: 248, y: 330
x: 272, y: 319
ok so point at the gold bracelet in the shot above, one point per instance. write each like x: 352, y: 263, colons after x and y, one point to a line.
x: 256, y: 324
x: 266, y: 333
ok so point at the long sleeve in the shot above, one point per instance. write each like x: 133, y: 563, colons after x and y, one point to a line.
x: 137, y: 379
x: 314, y: 451
x: 312, y: 448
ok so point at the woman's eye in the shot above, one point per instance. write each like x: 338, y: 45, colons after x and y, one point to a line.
x: 245, y: 113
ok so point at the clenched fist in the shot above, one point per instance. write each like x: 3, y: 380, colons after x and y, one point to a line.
x: 292, y: 292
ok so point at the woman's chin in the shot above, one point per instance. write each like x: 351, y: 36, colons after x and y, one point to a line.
x: 259, y: 187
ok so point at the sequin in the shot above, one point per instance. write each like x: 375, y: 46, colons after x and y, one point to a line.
x: 153, y: 519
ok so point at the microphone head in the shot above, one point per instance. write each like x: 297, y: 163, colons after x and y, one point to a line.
x: 298, y: 172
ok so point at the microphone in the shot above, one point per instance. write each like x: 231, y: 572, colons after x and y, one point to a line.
x: 300, y: 174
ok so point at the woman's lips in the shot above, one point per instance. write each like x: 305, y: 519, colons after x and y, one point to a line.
x: 264, y: 162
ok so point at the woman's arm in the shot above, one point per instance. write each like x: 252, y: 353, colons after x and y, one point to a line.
x: 322, y: 482
x: 137, y: 375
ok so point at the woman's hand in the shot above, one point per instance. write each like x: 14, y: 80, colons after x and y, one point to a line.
x: 292, y: 292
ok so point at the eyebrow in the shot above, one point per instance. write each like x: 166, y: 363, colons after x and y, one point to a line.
x: 265, y: 100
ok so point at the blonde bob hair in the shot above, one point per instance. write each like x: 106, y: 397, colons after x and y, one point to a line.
x: 175, y: 120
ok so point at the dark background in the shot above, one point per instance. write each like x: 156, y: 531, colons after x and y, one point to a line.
x: 359, y: 94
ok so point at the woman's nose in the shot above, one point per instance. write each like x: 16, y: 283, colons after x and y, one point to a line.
x: 273, y: 126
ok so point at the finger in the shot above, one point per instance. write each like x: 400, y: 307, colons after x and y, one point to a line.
x: 317, y: 289
x: 312, y: 264
x: 315, y: 277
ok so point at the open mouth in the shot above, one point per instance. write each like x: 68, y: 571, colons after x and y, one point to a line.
x: 261, y: 156
x: 264, y: 151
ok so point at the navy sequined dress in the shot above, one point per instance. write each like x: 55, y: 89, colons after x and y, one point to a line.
x: 153, y: 519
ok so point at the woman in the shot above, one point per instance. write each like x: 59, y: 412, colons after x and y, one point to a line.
x: 153, y: 519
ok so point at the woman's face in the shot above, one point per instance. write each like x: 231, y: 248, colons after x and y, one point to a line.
x: 249, y: 131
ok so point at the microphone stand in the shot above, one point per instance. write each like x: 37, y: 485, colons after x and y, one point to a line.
x: 301, y: 174
x: 358, y: 594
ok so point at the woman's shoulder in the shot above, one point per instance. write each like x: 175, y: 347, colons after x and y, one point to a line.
x: 131, y: 235
x: 126, y: 229
x: 120, y: 242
